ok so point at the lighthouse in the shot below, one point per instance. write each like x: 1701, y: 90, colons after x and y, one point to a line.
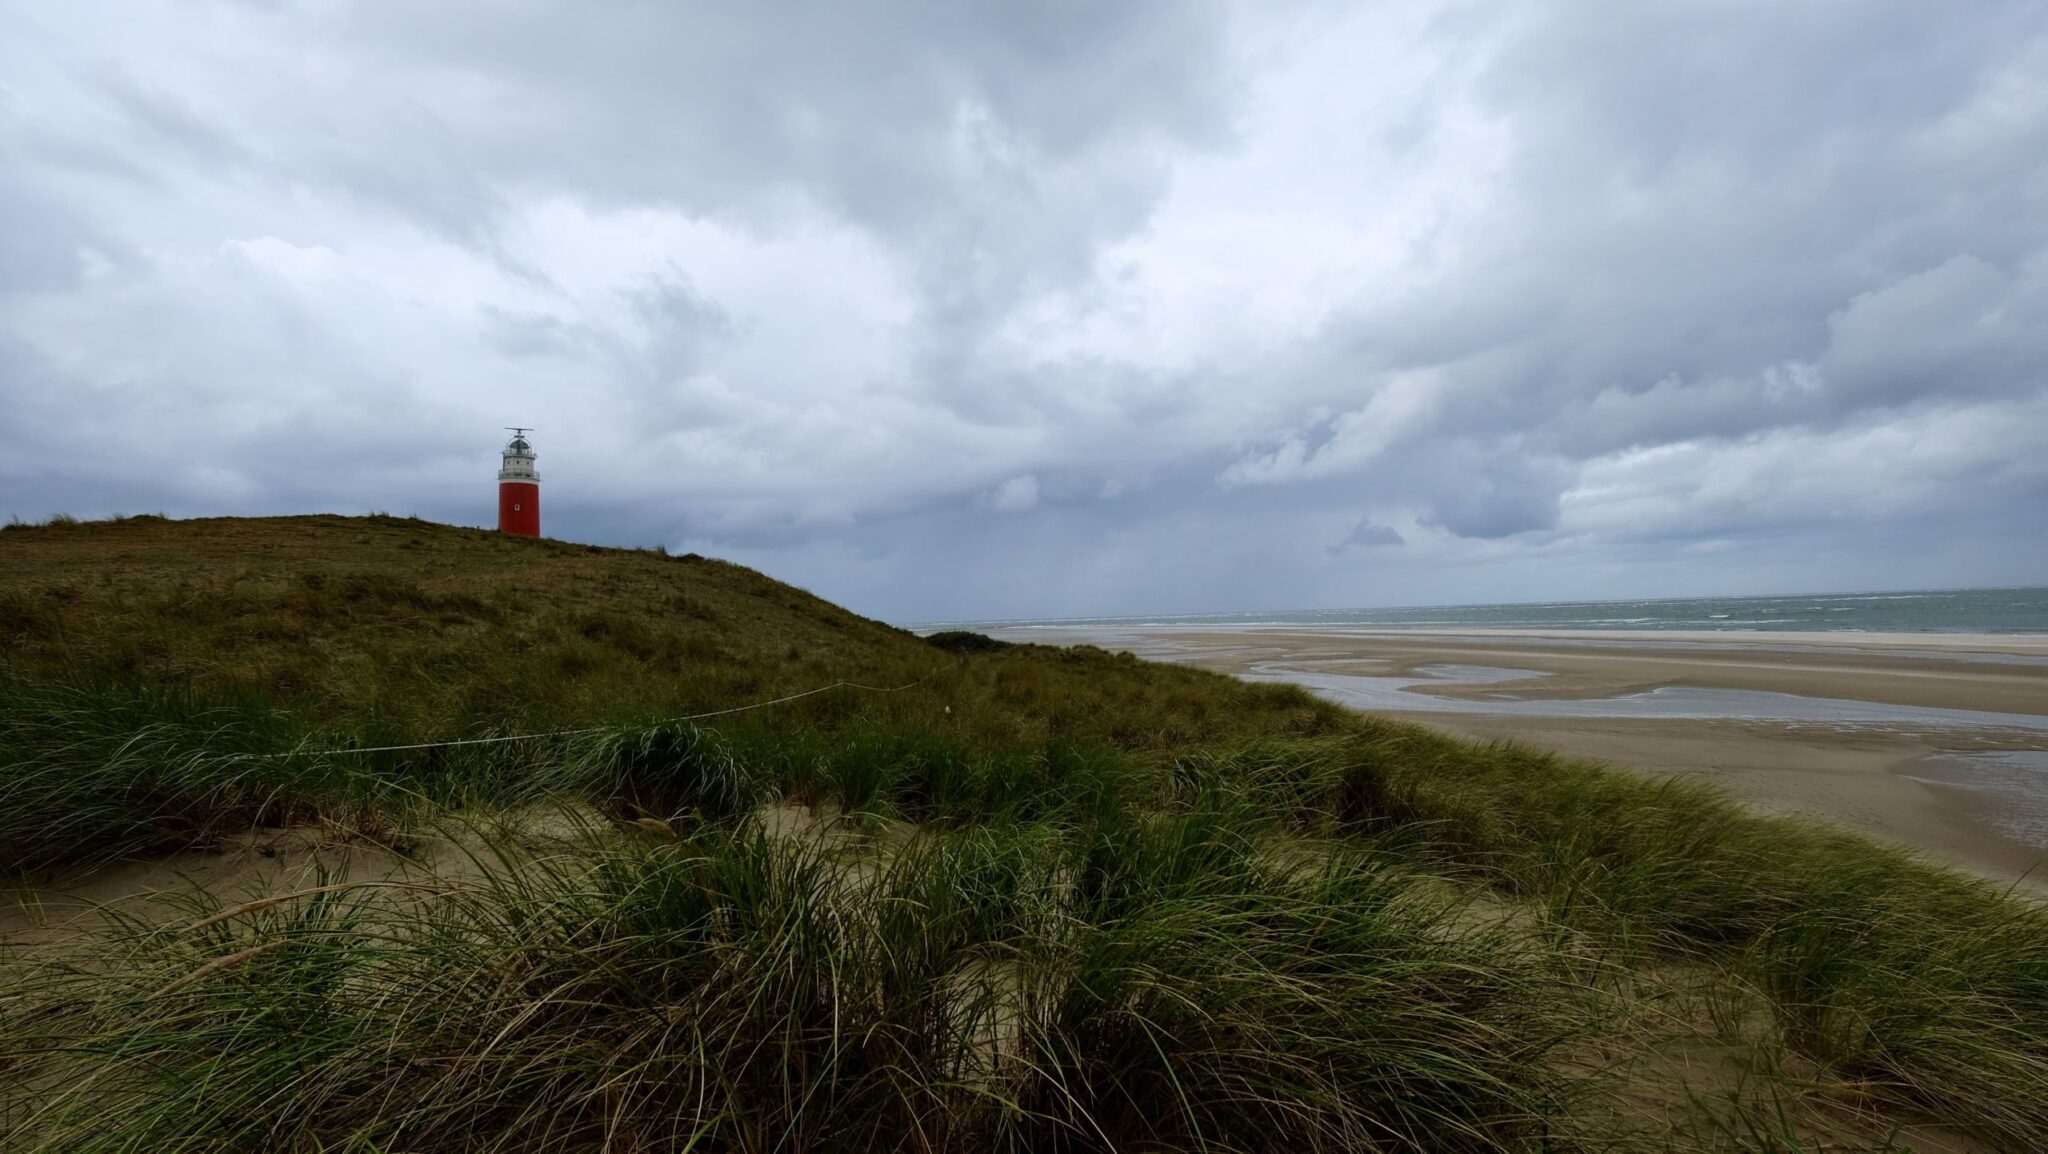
x: 518, y: 488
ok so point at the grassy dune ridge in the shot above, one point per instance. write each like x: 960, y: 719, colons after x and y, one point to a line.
x: 1043, y: 899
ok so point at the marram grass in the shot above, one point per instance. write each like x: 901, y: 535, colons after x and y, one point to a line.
x: 1063, y: 898
x: 1150, y: 983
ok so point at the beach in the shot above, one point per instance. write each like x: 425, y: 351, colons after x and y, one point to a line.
x: 1935, y: 742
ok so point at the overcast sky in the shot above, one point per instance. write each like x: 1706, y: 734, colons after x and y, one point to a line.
x: 955, y: 311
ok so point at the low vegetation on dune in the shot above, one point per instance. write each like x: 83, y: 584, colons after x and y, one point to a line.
x: 942, y: 894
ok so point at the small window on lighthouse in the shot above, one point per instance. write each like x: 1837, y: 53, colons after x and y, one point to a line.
x: 515, y: 506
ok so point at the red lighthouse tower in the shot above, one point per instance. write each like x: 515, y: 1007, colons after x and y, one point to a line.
x: 518, y: 488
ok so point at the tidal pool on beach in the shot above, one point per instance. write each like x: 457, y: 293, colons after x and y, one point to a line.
x: 1671, y: 702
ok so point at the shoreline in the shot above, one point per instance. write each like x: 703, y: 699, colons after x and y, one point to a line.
x: 2005, y: 644
x: 1902, y: 771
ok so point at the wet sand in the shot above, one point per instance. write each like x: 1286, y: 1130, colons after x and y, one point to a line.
x: 1876, y: 732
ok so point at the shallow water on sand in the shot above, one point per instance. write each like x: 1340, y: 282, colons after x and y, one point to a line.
x: 2014, y: 783
x: 1672, y: 702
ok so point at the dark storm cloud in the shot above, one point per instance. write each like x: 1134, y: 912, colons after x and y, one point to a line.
x: 972, y: 310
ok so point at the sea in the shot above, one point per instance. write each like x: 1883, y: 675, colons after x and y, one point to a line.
x: 2017, y: 610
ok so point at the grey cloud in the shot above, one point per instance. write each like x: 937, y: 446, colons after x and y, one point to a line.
x: 1710, y: 237
x: 168, y: 118
x: 1058, y: 308
x: 680, y: 321
x: 1019, y: 131
x: 1368, y: 534
x: 41, y: 242
x: 1492, y: 496
x: 530, y: 333
x: 1961, y: 327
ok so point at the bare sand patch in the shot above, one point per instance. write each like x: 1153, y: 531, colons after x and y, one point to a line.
x: 51, y: 908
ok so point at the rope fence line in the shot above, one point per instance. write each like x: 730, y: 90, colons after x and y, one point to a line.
x: 841, y: 684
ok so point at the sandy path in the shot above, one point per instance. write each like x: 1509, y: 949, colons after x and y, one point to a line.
x: 54, y: 907
x: 1891, y: 781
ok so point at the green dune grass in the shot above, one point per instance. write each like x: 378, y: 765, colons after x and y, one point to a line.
x: 1041, y: 898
